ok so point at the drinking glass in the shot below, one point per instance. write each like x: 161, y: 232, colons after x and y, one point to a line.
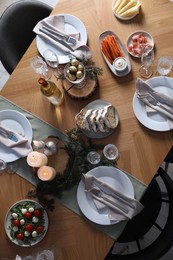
x: 40, y: 67
x: 93, y: 157
x: 111, y: 152
x: 164, y: 65
x: 147, y: 59
x: 52, y: 60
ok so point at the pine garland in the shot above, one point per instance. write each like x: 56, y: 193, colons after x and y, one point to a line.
x: 77, y: 150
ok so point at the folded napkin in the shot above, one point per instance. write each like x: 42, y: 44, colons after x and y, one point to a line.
x: 162, y: 102
x: 120, y: 206
x: 57, y: 23
x: 18, y: 143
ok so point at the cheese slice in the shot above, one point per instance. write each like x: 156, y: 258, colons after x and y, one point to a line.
x: 132, y: 11
x: 128, y: 6
x: 118, y: 2
x: 123, y: 3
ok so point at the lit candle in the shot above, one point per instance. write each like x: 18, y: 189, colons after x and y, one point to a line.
x: 36, y: 159
x: 46, y: 173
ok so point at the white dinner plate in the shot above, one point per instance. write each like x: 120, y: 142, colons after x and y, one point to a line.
x: 124, y: 51
x: 7, y: 222
x: 111, y: 175
x: 72, y: 25
x: 16, y: 122
x: 99, y: 104
x: 154, y: 121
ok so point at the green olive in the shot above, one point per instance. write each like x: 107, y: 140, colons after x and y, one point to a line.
x: 74, y: 62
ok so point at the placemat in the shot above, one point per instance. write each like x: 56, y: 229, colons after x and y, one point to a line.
x: 41, y: 130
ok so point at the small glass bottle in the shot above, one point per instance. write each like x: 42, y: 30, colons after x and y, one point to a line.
x: 51, y: 91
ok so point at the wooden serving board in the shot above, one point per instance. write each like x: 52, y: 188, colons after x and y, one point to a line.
x: 80, y: 93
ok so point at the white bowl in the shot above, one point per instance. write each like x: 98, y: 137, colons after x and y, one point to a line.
x: 120, y: 17
x: 150, y: 41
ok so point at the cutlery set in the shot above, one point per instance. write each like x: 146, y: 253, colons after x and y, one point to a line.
x: 60, y: 38
x: 10, y: 135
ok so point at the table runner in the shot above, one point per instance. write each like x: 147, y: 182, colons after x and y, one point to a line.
x: 41, y: 130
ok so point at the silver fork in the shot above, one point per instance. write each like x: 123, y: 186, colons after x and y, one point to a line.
x: 155, y: 102
x: 100, y: 194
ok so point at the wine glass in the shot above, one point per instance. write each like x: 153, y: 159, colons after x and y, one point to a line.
x: 147, y: 59
x: 164, y: 65
x: 52, y: 60
x: 40, y: 67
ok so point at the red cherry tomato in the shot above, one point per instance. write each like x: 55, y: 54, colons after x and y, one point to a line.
x: 29, y: 228
x: 37, y: 212
x: 28, y: 214
x: 20, y: 236
x: 39, y: 229
x: 16, y: 222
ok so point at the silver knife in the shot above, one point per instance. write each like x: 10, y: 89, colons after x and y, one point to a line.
x: 105, y: 189
x: 164, y: 99
x: 56, y: 39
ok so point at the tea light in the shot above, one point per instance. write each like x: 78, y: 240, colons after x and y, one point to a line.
x: 111, y: 152
x: 46, y: 173
x: 36, y: 159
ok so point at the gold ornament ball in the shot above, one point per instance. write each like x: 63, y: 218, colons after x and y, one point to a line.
x: 79, y: 74
x: 74, y: 62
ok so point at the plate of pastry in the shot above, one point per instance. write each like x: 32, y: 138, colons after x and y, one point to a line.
x: 98, y: 119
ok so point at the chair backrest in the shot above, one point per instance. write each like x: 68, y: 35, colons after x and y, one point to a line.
x: 158, y: 195
x: 16, y: 29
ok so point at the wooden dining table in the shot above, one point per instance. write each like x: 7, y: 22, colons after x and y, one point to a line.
x: 142, y: 150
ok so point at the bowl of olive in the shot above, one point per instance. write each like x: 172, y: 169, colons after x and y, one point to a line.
x: 75, y: 73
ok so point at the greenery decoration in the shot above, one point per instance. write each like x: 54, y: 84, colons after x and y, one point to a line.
x: 77, y: 149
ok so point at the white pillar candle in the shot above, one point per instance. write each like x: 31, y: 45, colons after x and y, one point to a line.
x: 46, y: 173
x: 36, y: 159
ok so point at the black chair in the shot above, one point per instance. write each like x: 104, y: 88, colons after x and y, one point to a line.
x: 152, y: 229
x: 16, y: 29
x: 168, y: 159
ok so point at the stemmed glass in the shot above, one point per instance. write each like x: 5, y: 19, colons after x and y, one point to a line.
x: 40, y: 67
x: 147, y: 59
x: 52, y: 60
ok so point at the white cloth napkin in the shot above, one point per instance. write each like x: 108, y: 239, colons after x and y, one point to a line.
x: 144, y: 92
x: 120, y: 206
x: 22, y: 146
x: 57, y: 23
